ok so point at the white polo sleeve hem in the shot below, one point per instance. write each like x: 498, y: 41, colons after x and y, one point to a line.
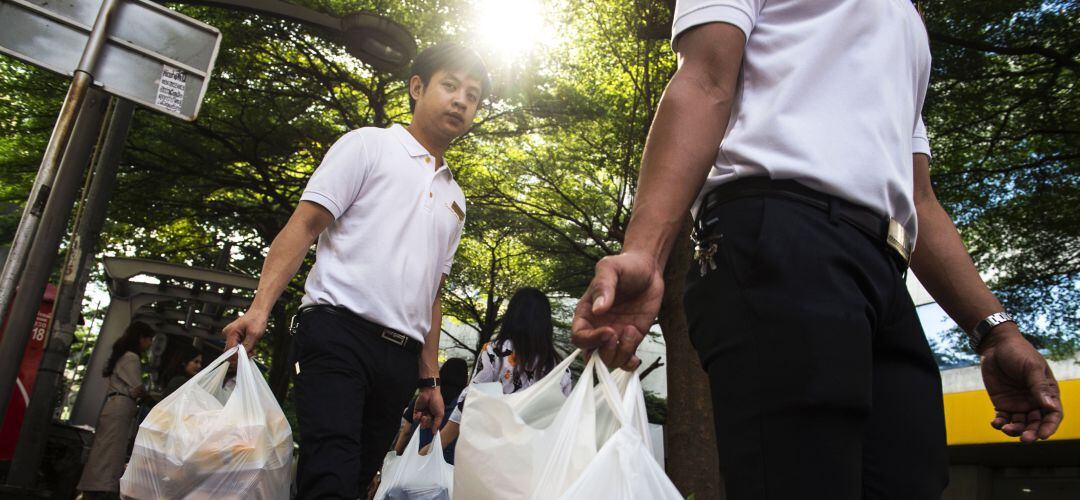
x: 324, y: 201
x: 920, y: 145
x: 711, y: 13
x: 920, y: 142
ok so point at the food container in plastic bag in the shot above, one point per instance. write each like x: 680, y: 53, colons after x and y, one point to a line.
x: 202, y: 442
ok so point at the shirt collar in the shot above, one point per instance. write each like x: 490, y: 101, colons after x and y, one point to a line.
x: 413, y: 146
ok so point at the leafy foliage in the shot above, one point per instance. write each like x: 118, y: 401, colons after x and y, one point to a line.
x: 1002, y: 112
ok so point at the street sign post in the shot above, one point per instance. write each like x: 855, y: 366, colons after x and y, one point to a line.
x: 153, y: 56
x: 133, y: 49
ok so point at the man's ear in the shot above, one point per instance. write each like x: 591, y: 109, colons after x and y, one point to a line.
x: 416, y: 87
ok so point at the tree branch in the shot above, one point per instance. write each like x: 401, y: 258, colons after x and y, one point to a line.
x: 1060, y: 59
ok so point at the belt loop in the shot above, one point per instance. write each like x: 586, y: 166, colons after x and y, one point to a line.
x: 834, y: 216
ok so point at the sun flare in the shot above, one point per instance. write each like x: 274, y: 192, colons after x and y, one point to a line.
x: 512, y: 28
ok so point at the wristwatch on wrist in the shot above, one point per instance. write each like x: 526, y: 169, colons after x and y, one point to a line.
x: 978, y: 335
x: 427, y: 383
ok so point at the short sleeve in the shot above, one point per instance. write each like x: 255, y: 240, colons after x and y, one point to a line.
x: 128, y: 369
x: 487, y: 369
x: 742, y: 14
x: 336, y: 184
x: 453, y: 248
x: 920, y: 142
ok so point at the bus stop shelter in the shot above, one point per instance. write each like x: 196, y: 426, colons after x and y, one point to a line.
x: 176, y: 300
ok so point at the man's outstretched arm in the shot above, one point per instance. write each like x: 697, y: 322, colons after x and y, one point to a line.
x: 428, y: 412
x: 1021, y: 386
x: 623, y: 299
x: 282, y: 261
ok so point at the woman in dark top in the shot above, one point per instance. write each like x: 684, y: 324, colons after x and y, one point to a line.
x: 453, y: 375
x: 188, y: 363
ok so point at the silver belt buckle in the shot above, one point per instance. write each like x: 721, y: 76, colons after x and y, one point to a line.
x: 897, y: 239
x: 394, y: 337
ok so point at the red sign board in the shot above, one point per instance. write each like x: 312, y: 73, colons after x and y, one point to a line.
x: 24, y: 385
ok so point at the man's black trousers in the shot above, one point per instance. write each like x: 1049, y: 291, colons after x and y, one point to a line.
x: 822, y: 381
x: 350, y: 391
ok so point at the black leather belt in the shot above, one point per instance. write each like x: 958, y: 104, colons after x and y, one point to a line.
x: 392, y: 336
x: 879, y: 228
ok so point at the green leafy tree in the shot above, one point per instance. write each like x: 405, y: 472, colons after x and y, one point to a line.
x: 550, y: 170
x: 1002, y: 114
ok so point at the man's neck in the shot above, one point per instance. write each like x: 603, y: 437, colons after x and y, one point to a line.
x: 435, y: 147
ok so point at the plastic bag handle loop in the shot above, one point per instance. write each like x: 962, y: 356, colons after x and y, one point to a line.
x: 555, y: 375
x: 414, y: 444
x: 245, y: 369
x: 608, y: 388
x: 214, y: 365
x: 436, y: 442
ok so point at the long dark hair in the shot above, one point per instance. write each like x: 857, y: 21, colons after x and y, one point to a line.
x: 453, y: 376
x: 136, y: 331
x: 527, y: 324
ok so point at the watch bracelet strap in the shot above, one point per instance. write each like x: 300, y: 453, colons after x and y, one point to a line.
x: 978, y: 335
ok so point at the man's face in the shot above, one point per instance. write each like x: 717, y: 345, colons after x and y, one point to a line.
x: 448, y: 103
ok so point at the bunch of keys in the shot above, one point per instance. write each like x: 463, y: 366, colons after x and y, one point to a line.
x: 704, y: 255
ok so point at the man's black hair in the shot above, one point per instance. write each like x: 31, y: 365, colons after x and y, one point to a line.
x: 449, y: 57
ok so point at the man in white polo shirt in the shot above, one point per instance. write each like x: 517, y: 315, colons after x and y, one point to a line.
x: 796, y: 126
x: 388, y: 217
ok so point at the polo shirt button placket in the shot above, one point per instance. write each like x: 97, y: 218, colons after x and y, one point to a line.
x: 429, y: 200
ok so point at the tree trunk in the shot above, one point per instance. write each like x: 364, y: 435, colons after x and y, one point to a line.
x: 491, y: 321
x: 280, y: 369
x: 689, y: 437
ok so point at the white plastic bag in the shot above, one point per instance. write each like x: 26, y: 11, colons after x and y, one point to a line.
x: 415, y: 477
x: 537, y: 444
x: 201, y: 443
x: 619, y: 470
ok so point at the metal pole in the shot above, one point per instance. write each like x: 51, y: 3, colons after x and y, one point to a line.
x: 43, y: 183
x: 42, y: 257
x: 76, y: 373
x: 76, y: 272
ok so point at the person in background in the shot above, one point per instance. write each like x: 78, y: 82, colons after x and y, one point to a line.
x: 188, y: 363
x: 101, y: 475
x: 453, y: 375
x: 520, y: 355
